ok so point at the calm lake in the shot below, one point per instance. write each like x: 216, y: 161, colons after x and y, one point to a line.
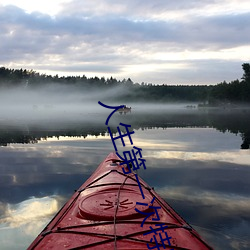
x: 198, y: 160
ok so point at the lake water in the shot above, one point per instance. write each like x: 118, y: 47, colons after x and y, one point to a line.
x: 194, y: 160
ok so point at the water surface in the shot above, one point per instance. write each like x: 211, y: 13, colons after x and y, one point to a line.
x: 194, y: 160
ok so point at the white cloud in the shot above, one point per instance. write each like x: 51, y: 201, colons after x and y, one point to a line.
x: 45, y: 6
x: 150, y: 41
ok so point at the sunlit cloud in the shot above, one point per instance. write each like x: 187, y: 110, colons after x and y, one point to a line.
x: 188, y: 56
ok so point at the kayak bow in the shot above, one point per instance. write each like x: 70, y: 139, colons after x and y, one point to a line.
x: 108, y: 212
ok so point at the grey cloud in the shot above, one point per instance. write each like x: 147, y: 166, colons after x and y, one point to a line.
x: 98, y: 40
x: 220, y: 31
x: 130, y: 8
x: 85, y: 68
x: 217, y: 31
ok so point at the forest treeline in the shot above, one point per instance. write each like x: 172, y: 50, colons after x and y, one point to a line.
x: 236, y: 91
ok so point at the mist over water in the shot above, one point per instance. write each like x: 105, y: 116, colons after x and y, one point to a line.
x: 55, y: 102
x: 59, y: 107
x: 60, y: 102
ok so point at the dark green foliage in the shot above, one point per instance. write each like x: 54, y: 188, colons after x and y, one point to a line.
x: 246, y: 75
x: 233, y: 92
x: 220, y: 94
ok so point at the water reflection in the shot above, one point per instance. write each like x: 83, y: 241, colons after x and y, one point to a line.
x: 233, y: 121
x: 200, y: 171
x: 29, y: 210
x: 20, y: 222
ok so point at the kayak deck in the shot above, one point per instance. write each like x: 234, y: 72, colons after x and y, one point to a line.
x: 108, y: 212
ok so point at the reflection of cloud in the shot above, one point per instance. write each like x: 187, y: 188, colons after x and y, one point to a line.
x: 229, y: 203
x: 167, y: 145
x: 222, y: 219
x: 25, y: 220
x: 29, y: 213
x: 220, y: 240
x: 66, y: 156
x: 2, y: 209
x: 202, y: 144
x: 230, y: 157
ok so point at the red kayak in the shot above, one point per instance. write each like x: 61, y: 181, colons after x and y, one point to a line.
x: 108, y: 212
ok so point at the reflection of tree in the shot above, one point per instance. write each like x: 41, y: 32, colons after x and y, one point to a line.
x: 232, y: 121
x: 20, y: 134
x: 246, y: 141
x: 16, y: 137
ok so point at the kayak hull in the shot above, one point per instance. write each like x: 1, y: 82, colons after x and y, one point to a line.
x: 108, y: 211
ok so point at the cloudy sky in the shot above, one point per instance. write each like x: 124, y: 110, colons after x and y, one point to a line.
x: 157, y: 41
